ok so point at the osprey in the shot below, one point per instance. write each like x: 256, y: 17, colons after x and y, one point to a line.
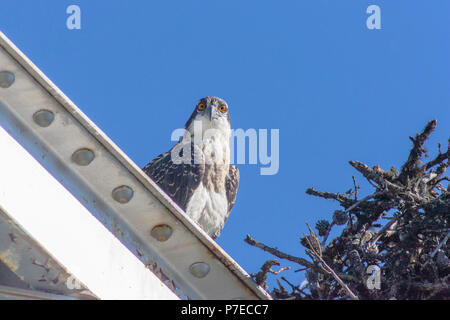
x: 196, y: 172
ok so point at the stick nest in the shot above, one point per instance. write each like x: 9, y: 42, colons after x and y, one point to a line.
x: 393, y: 244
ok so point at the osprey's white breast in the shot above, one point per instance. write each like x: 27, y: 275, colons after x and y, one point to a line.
x: 208, y: 208
x: 209, y: 204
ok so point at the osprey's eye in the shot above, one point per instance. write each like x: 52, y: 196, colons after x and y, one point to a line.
x: 201, y: 107
x: 223, y: 108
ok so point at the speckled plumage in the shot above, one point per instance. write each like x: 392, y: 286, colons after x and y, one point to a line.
x: 205, y: 186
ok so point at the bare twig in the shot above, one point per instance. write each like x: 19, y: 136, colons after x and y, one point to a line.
x: 261, y: 277
x: 411, y: 165
x: 371, y: 175
x: 356, y: 188
x: 443, y: 242
x: 345, y: 201
x: 318, y: 254
x: 294, y: 287
x: 279, y: 254
x: 357, y: 203
x: 440, y: 157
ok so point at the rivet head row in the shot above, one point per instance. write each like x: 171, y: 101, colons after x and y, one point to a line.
x: 43, y: 118
x: 122, y: 194
x: 6, y: 79
x: 161, y: 232
x: 83, y: 157
x: 199, y: 269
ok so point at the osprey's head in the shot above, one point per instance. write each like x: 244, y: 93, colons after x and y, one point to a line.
x: 212, y: 112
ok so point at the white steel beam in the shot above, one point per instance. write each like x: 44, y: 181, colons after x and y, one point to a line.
x: 57, y: 223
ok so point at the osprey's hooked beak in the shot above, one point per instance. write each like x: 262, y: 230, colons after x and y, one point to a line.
x: 210, y: 112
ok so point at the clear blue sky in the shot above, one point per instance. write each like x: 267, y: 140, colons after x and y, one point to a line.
x: 336, y: 90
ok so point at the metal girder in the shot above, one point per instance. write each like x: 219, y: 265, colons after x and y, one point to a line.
x: 57, y: 221
x: 108, y: 184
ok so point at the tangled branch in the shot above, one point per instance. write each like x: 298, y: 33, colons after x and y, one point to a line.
x: 410, y: 249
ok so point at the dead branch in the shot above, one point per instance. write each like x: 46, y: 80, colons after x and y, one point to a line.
x: 313, y: 242
x: 261, y: 277
x: 413, y: 162
x: 277, y: 253
x: 411, y: 251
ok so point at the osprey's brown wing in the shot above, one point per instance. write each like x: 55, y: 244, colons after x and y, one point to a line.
x: 178, y: 180
x: 231, y: 187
